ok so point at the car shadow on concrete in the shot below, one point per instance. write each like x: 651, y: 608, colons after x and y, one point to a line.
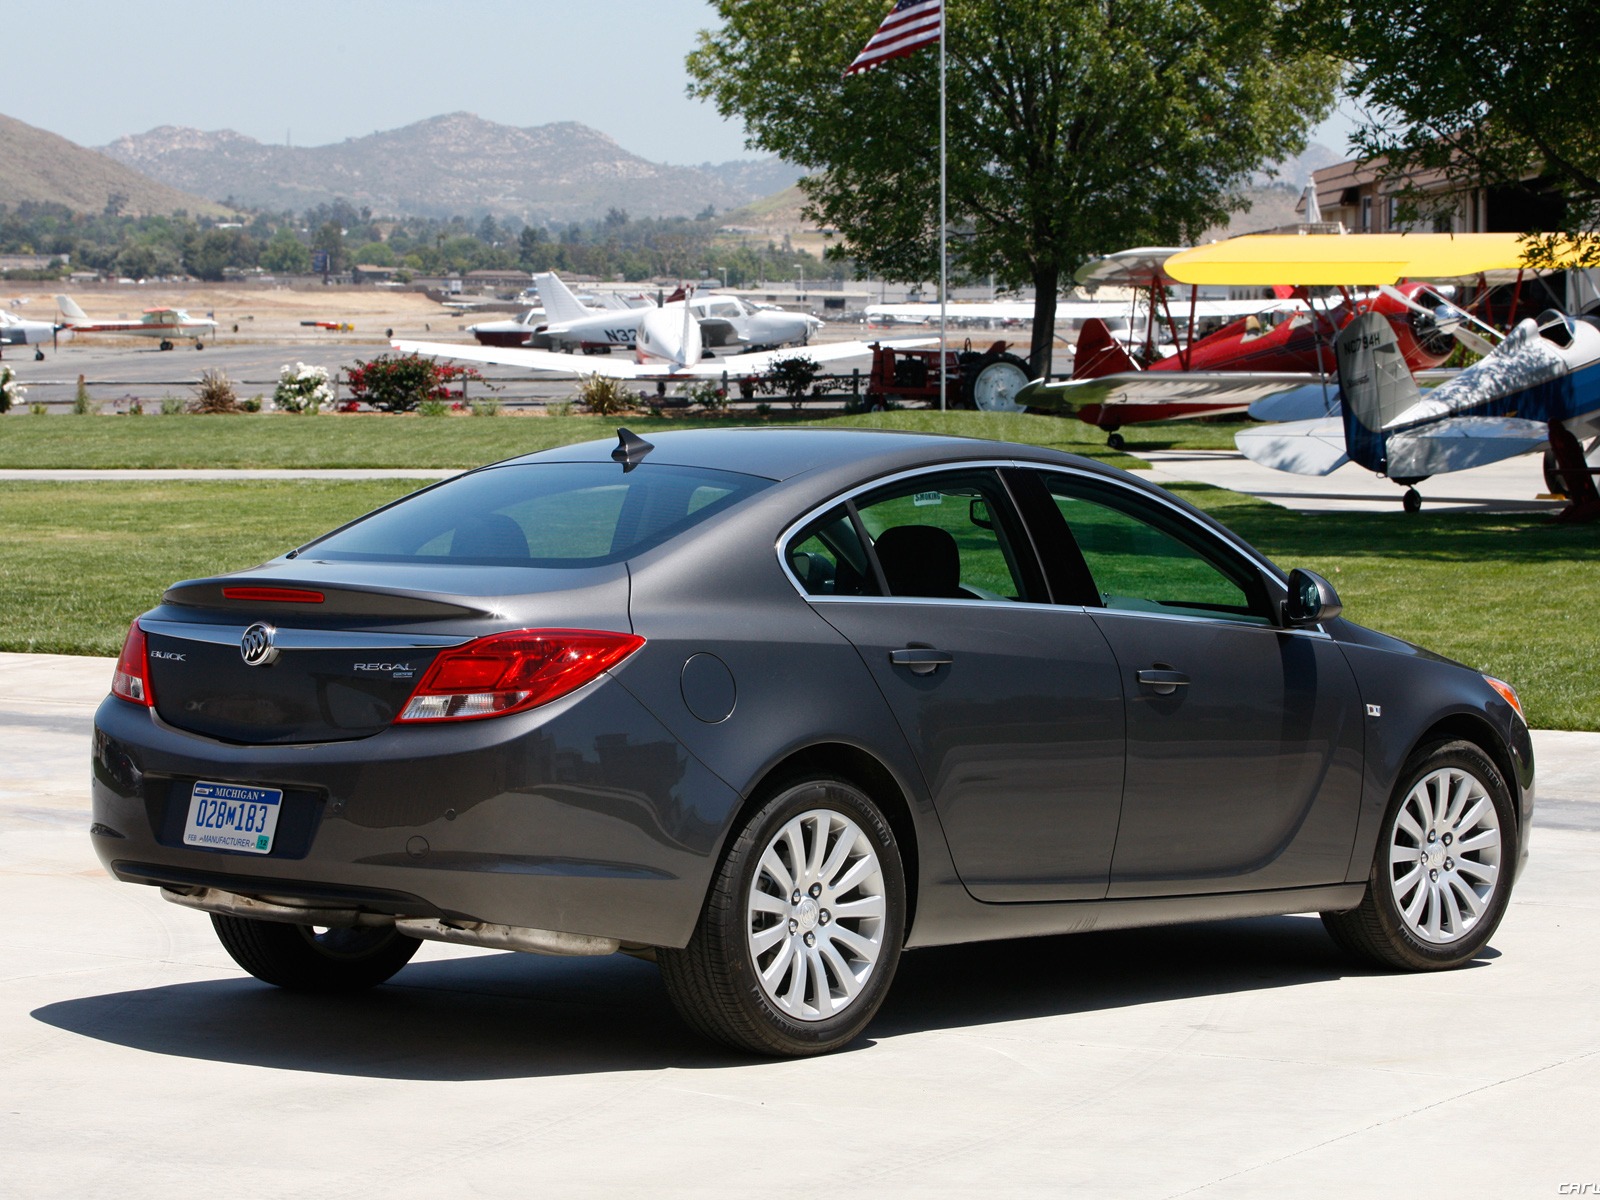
x: 510, y: 1016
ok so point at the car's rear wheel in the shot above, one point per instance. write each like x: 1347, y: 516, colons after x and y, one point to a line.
x: 304, y: 958
x: 1441, y: 877
x: 801, y: 932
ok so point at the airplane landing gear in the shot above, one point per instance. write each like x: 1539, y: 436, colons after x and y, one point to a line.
x: 38, y: 354
x: 1412, y: 500
x: 165, y: 345
x: 199, y: 345
x: 1115, y: 441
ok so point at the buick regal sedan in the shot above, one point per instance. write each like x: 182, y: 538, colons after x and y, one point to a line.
x: 770, y: 707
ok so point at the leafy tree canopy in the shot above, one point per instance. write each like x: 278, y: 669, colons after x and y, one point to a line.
x: 1075, y: 127
x: 1479, y: 91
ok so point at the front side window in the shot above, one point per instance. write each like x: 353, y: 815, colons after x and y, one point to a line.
x: 1136, y: 556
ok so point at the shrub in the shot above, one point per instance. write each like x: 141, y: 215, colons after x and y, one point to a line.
x: 486, y: 408
x: 81, y: 403
x: 171, y: 406
x: 791, y: 376
x: 433, y: 408
x: 302, y: 388
x: 561, y: 408
x: 400, y: 382
x: 39, y: 410
x: 214, y: 394
x: 707, y: 394
x: 604, y: 396
x: 11, y: 392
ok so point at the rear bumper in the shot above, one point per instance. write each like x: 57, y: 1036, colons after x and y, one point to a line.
x: 584, y: 817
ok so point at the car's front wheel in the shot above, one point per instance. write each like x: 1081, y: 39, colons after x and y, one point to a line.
x: 1441, y: 877
x: 801, y: 932
x: 308, y: 959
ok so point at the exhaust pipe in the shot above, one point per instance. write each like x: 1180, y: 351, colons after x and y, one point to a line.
x: 506, y: 937
x: 461, y: 933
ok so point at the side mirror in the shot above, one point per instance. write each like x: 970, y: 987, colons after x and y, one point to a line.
x: 1311, y: 599
x: 978, y: 513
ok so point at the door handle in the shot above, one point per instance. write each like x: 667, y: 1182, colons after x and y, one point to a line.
x: 1162, y: 682
x: 923, y: 660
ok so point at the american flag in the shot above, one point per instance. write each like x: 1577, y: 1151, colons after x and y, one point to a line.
x: 910, y: 25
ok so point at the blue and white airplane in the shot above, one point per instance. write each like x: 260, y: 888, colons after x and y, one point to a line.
x: 1539, y: 388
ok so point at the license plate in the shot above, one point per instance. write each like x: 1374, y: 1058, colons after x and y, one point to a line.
x: 232, y: 816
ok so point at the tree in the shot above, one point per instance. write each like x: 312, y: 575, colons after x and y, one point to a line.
x: 285, y: 255
x: 1076, y: 127
x: 1482, y: 92
x: 329, y: 239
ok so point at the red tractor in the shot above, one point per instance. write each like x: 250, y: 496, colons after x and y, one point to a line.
x: 985, y: 380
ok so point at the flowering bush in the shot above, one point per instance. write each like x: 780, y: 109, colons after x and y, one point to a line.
x: 11, y: 391
x: 302, y: 389
x: 400, y: 382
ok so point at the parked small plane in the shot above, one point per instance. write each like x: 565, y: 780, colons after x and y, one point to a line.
x: 1538, y: 387
x: 667, y: 347
x: 723, y: 320
x: 1276, y: 345
x: 163, y: 323
x: 19, y: 331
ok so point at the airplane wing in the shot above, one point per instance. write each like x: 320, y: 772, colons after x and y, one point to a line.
x: 1334, y: 260
x: 1461, y: 443
x: 1313, y: 447
x: 1223, y: 388
x: 575, y: 366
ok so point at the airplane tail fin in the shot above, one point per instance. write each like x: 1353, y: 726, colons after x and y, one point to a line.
x: 1099, y: 353
x: 69, y: 309
x: 559, y: 302
x: 1375, y: 384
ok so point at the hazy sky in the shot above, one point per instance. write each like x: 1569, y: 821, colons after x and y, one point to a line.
x: 322, y: 72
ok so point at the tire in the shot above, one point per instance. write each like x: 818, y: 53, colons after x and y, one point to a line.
x: 301, y: 959
x: 749, y: 977
x: 1431, y: 905
x: 1116, y: 441
x: 992, y: 384
x: 1411, y: 501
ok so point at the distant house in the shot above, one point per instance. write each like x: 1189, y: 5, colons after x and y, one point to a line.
x: 367, y: 273
x: 1352, y: 194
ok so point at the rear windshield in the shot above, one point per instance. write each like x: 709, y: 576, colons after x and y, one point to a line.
x: 540, y: 515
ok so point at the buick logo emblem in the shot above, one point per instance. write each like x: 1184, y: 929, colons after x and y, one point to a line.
x: 256, y: 646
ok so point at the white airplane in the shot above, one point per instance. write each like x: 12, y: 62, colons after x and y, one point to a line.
x: 667, y: 348
x: 18, y: 331
x: 724, y: 321
x: 163, y: 323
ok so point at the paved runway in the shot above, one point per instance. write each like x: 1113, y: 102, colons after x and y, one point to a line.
x: 1243, y: 1059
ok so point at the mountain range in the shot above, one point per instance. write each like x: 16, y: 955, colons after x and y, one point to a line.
x: 457, y: 164
x: 41, y: 167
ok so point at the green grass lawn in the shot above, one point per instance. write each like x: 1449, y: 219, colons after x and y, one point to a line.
x: 382, y: 440
x: 1514, y: 595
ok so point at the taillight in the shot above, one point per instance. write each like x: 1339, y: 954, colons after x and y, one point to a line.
x: 273, y: 595
x: 511, y: 672
x: 131, y: 679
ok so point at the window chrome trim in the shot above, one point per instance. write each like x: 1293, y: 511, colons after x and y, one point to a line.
x: 1244, y: 550
x: 305, y: 639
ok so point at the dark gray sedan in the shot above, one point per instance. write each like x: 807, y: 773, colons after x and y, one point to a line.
x: 771, y: 706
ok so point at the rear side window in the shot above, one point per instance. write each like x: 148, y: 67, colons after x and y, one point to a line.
x: 540, y: 515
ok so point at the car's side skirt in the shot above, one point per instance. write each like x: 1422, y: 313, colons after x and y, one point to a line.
x: 974, y: 922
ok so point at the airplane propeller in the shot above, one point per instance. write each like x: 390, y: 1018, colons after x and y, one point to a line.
x: 1447, y: 318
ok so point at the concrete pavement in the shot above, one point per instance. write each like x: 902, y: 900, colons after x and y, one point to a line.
x: 1243, y: 1059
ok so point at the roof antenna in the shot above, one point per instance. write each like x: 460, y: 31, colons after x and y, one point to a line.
x: 631, y: 449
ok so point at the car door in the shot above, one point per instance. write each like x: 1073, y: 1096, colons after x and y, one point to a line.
x: 1244, y: 736
x: 1010, y: 704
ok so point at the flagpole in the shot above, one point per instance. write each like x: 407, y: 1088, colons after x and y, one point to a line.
x: 944, y: 277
